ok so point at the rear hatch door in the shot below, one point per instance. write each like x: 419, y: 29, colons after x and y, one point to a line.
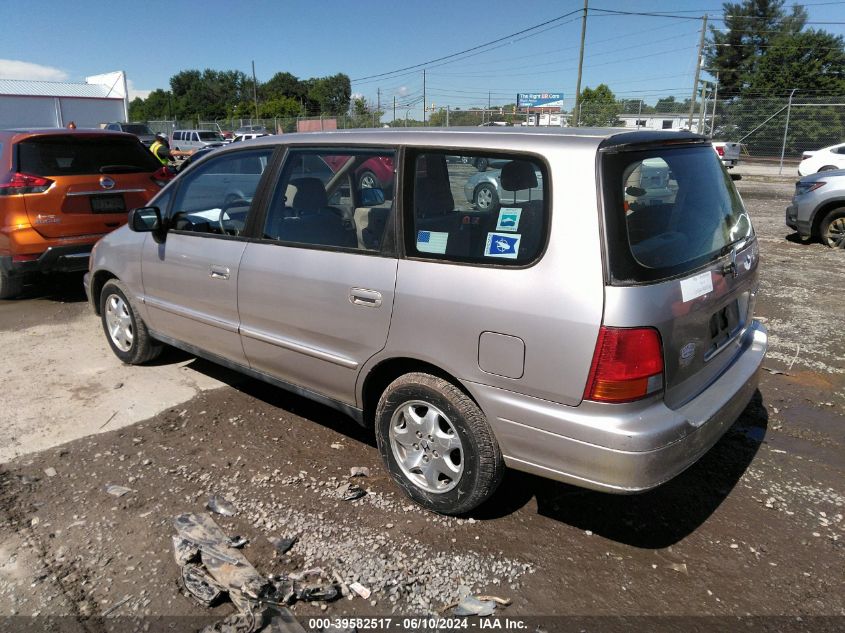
x: 96, y: 180
x: 685, y: 253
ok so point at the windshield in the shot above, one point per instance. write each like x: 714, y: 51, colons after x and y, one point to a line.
x: 210, y: 136
x: 137, y: 128
x: 680, y: 210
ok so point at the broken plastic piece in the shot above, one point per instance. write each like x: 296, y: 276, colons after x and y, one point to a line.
x: 360, y: 589
x: 353, y: 492
x: 237, y: 541
x: 220, y: 505
x: 282, y: 545
x: 200, y: 585
x: 325, y: 593
x: 359, y: 471
x: 117, y: 491
x: 473, y: 606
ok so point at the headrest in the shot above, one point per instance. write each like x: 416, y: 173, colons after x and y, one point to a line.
x: 518, y: 175
x: 310, y: 194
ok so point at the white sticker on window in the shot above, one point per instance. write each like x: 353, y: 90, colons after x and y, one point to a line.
x: 508, y: 219
x: 432, y: 241
x: 696, y: 286
x: 502, y: 245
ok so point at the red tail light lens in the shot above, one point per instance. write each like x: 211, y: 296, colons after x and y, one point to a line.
x: 627, y: 365
x: 720, y: 151
x: 162, y: 176
x: 24, y: 183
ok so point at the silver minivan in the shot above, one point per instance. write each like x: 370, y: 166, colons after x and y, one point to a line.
x: 186, y: 140
x: 598, y: 331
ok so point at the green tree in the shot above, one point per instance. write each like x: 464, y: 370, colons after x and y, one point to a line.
x: 751, y: 26
x: 811, y: 60
x: 329, y: 95
x: 668, y: 105
x: 599, y: 107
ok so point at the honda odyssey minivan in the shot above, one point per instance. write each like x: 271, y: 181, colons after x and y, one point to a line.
x: 597, y: 331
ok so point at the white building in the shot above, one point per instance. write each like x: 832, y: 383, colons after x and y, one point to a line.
x: 33, y: 104
x: 655, y: 121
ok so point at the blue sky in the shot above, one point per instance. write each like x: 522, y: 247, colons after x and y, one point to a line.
x: 636, y: 56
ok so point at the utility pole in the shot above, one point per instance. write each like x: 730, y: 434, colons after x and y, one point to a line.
x: 701, y: 114
x: 394, y: 107
x: 424, y: 103
x: 715, y: 103
x: 254, y: 89
x: 447, y: 116
x: 697, y: 69
x: 785, y: 130
x: 577, y: 107
x: 378, y: 104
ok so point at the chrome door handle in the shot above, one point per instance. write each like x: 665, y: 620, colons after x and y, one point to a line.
x: 218, y: 272
x: 364, y: 297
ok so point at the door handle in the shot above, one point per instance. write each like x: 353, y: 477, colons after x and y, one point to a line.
x: 218, y: 272
x: 364, y: 297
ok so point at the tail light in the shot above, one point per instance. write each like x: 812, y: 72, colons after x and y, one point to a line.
x: 17, y: 259
x: 720, y: 151
x: 627, y: 365
x: 162, y: 176
x: 24, y: 183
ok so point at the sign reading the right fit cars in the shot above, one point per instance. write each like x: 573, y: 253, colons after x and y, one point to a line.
x: 539, y: 100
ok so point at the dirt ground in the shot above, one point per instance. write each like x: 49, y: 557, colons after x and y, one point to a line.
x: 755, y: 530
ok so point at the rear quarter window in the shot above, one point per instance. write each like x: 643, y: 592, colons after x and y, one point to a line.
x: 475, y: 208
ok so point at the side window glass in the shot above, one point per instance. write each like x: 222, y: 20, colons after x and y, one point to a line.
x: 485, y: 209
x: 333, y: 198
x: 216, y: 196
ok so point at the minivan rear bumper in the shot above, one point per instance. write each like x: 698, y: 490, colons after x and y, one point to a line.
x: 621, y: 448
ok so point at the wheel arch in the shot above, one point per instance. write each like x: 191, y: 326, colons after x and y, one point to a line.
x: 820, y: 213
x: 98, y: 280
x: 388, y: 370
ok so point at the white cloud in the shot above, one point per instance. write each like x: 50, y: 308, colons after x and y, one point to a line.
x: 402, y: 91
x: 135, y: 92
x: 16, y: 69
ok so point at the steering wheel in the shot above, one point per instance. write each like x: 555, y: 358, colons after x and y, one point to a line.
x: 234, y: 202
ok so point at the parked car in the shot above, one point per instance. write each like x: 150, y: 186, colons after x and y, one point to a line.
x: 60, y: 191
x: 484, y: 190
x: 252, y: 129
x: 141, y: 130
x: 817, y: 209
x: 248, y: 136
x: 825, y: 159
x: 572, y: 336
x: 186, y: 140
x: 729, y: 153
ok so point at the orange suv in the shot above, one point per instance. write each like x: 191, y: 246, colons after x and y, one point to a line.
x: 62, y: 190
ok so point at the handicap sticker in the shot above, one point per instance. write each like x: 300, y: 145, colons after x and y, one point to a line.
x: 502, y: 245
x: 508, y: 219
x: 432, y: 241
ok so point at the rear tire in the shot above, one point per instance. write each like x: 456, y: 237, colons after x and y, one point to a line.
x: 10, y: 287
x: 828, y: 168
x: 125, y: 330
x: 832, y: 228
x: 437, y: 444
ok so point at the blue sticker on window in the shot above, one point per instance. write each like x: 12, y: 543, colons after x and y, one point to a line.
x: 502, y: 245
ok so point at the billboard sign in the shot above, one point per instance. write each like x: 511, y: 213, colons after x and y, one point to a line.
x: 539, y: 100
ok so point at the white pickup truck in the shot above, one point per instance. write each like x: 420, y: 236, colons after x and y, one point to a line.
x: 728, y: 152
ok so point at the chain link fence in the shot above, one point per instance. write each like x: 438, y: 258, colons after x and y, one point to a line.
x: 766, y: 128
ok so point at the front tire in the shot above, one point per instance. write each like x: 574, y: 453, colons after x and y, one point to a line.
x: 126, y: 332
x: 832, y: 229
x: 437, y: 444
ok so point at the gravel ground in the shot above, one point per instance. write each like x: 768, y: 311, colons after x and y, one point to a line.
x: 755, y: 528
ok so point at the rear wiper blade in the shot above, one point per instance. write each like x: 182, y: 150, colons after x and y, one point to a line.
x: 119, y: 169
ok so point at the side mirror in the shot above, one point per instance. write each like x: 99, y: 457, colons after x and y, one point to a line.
x: 736, y: 176
x: 372, y: 197
x: 147, y: 220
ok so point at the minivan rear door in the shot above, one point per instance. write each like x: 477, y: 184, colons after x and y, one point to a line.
x: 96, y: 180
x: 682, y: 256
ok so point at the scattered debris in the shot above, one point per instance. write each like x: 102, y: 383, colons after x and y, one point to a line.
x: 481, y: 606
x: 282, y: 545
x: 200, y: 585
x: 681, y: 567
x: 360, y: 589
x: 337, y: 446
x: 117, y: 605
x: 237, y: 541
x: 350, y: 492
x: 359, y: 471
x: 50, y: 471
x: 27, y: 480
x: 117, y: 491
x: 776, y: 372
x: 220, y: 505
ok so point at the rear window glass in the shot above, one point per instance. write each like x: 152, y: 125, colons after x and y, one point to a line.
x: 69, y: 156
x: 137, y: 128
x: 675, y: 209
x: 210, y: 136
x: 474, y: 208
